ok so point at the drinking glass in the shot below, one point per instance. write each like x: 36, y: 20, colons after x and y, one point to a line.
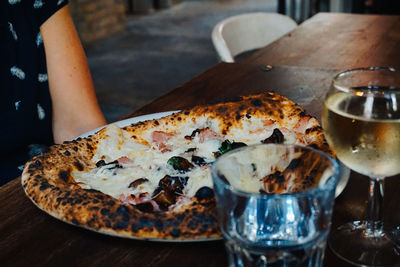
x: 274, y: 204
x: 361, y: 121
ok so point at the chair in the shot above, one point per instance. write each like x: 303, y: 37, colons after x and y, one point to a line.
x: 249, y: 31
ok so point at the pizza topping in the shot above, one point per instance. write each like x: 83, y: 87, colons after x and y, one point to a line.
x: 207, y: 134
x: 181, y: 201
x: 199, y: 161
x: 109, y: 166
x: 160, y: 138
x: 124, y: 161
x: 190, y: 137
x: 100, y: 163
x: 169, y: 188
x: 138, y: 182
x: 192, y: 149
x: 204, y: 135
x: 276, y: 137
x: 180, y: 164
x: 228, y: 146
x: 204, y: 193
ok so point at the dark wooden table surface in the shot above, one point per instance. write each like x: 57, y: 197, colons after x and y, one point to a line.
x: 303, y: 63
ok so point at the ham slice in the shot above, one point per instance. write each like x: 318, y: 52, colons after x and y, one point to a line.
x: 160, y: 138
x: 207, y: 134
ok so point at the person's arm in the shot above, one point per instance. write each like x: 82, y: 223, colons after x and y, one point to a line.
x: 75, y: 107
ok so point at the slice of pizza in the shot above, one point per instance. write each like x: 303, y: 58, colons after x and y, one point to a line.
x: 152, y: 179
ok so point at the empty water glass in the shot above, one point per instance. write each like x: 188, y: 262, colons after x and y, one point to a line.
x: 274, y: 204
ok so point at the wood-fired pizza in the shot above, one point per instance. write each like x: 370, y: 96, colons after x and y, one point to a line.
x: 152, y: 179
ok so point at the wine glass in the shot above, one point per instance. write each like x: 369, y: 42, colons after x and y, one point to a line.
x: 361, y: 121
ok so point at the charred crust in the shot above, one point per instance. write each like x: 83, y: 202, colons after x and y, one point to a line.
x: 313, y: 129
x: 75, y: 148
x: 186, y: 112
x: 158, y: 224
x: 67, y: 153
x: 179, y: 118
x: 256, y: 103
x: 222, y: 109
x: 78, y: 165
x: 175, y: 232
x: 156, y: 122
x: 238, y: 116
x: 120, y: 225
x: 63, y: 175
x: 145, y: 207
x: 44, y: 185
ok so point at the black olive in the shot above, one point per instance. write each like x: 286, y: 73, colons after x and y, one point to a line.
x: 114, y: 164
x: 199, y: 161
x: 137, y: 182
x: 190, y: 137
x: 100, y: 163
x: 192, y: 149
x: 275, y: 138
x: 204, y: 193
x: 180, y: 164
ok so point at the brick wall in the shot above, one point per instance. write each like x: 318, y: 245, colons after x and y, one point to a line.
x: 95, y: 19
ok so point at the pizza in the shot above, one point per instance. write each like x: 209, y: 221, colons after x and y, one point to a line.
x: 152, y: 179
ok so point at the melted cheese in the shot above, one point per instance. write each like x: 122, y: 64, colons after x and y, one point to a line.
x: 149, y: 163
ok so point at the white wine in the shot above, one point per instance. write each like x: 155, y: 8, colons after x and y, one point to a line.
x: 364, y: 135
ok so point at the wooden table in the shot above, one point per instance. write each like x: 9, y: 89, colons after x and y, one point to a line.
x: 303, y: 63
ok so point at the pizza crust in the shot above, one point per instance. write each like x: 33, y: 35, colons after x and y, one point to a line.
x: 47, y: 179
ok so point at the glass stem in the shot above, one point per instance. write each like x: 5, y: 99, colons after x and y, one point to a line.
x: 375, y: 208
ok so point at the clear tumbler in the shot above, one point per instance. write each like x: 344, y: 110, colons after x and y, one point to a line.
x: 274, y: 204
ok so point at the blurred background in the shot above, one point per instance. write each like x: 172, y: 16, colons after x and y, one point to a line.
x: 139, y: 50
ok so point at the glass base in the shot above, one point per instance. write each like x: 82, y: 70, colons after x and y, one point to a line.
x: 351, y: 243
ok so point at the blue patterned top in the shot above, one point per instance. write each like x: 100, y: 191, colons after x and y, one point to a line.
x: 25, y: 106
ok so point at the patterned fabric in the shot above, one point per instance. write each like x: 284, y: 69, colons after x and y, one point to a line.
x: 25, y: 106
